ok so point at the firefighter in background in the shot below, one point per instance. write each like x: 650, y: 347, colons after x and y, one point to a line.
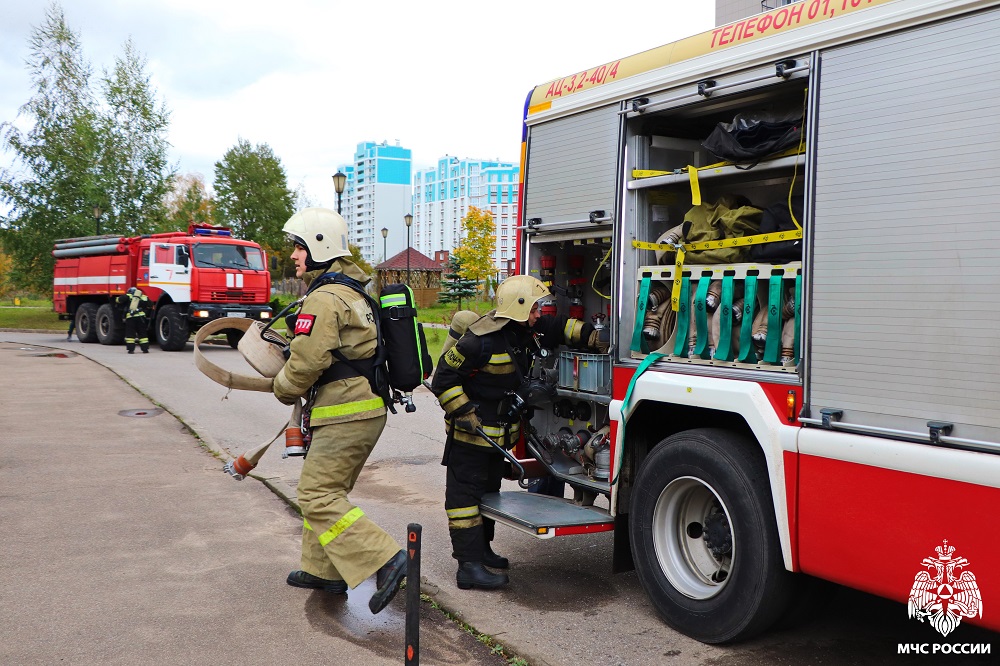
x: 137, y: 307
x: 492, y: 358
x: 341, y: 546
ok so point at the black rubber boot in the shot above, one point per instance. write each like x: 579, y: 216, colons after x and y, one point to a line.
x: 492, y: 560
x: 473, y: 574
x: 387, y: 580
x: 307, y: 580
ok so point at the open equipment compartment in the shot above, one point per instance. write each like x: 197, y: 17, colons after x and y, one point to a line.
x: 673, y: 183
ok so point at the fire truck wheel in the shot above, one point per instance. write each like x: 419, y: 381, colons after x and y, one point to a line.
x: 110, y: 329
x: 233, y: 337
x: 704, y: 537
x: 171, y: 328
x: 86, y: 322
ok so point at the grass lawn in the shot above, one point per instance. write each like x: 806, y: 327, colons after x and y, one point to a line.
x: 40, y: 317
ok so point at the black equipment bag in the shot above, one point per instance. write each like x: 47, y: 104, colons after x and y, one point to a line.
x: 406, y: 347
x: 776, y: 218
x: 754, y: 136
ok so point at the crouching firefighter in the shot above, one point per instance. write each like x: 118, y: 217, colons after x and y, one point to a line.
x: 136, y: 306
x: 492, y: 358
x: 330, y: 357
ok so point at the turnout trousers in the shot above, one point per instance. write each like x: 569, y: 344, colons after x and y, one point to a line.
x: 473, y: 471
x: 137, y: 331
x: 339, y: 542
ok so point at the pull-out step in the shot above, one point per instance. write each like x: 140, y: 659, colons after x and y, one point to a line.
x: 543, y: 516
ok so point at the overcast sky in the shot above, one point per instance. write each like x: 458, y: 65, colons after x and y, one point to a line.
x: 313, y: 78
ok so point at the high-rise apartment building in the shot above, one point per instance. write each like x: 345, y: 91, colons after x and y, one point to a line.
x: 727, y: 11
x: 443, y: 194
x: 378, y: 195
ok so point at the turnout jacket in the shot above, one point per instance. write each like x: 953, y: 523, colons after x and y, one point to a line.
x: 490, y: 359
x: 334, y: 316
x: 135, y: 304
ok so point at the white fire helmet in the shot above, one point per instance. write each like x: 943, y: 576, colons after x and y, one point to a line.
x: 321, y: 231
x: 517, y: 294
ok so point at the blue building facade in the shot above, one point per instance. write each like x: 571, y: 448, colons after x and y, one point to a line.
x: 443, y: 194
x: 377, y: 196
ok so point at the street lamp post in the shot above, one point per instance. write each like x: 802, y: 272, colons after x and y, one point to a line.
x: 409, y: 221
x: 339, y: 181
x: 97, y: 219
x: 385, y: 234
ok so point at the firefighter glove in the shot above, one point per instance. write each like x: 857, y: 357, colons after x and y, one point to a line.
x: 600, y: 340
x: 469, y: 421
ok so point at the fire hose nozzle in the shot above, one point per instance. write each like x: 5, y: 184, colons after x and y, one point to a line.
x: 238, y: 468
x: 294, y: 444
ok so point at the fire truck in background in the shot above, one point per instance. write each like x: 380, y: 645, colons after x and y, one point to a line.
x: 847, y: 428
x: 191, y: 277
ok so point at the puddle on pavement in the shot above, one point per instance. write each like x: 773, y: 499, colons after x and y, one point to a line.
x: 346, y: 616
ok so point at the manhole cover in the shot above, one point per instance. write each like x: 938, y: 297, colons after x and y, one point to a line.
x: 141, y: 413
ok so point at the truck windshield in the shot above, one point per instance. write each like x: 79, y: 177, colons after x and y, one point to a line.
x: 212, y: 255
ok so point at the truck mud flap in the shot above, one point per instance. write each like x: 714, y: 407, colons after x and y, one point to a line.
x: 542, y: 516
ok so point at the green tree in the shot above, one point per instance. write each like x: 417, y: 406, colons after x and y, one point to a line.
x: 187, y: 201
x: 252, y: 195
x: 79, y: 153
x: 360, y: 260
x: 133, y: 172
x: 475, y: 253
x: 53, y: 192
x: 457, y: 287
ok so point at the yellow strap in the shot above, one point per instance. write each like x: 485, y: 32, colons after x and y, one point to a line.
x: 675, y: 289
x: 331, y: 411
x: 724, y: 242
x: 652, y: 173
x: 338, y: 527
x: 695, y: 188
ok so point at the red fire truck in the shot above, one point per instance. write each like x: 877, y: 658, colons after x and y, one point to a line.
x: 191, y: 277
x: 845, y: 428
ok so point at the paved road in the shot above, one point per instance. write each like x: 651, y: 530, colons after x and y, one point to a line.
x: 563, y: 606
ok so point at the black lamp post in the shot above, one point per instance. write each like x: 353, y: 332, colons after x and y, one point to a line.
x: 97, y: 219
x: 385, y: 234
x: 339, y: 181
x: 409, y: 221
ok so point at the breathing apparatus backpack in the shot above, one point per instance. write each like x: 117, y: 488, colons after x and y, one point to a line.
x: 409, y: 361
x: 401, y: 361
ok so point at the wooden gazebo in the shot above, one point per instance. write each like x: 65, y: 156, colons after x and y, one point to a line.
x: 424, y: 275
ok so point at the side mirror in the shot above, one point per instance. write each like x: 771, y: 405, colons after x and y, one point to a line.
x: 274, y: 263
x: 182, y: 257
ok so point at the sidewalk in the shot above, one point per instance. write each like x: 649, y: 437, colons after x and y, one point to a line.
x: 124, y: 544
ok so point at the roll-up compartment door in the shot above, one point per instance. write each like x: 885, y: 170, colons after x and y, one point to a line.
x: 572, y: 166
x: 906, y: 261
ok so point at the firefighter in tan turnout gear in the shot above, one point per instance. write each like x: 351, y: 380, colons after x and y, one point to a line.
x: 492, y: 358
x: 334, y: 333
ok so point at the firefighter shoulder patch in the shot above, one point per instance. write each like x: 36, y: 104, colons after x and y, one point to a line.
x: 304, y: 324
x: 454, y: 358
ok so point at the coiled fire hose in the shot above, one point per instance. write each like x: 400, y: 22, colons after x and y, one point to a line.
x: 260, y: 347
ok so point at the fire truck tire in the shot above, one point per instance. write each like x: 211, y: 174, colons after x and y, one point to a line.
x: 704, y: 537
x: 86, y: 322
x: 110, y: 328
x: 233, y: 337
x: 171, y: 328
